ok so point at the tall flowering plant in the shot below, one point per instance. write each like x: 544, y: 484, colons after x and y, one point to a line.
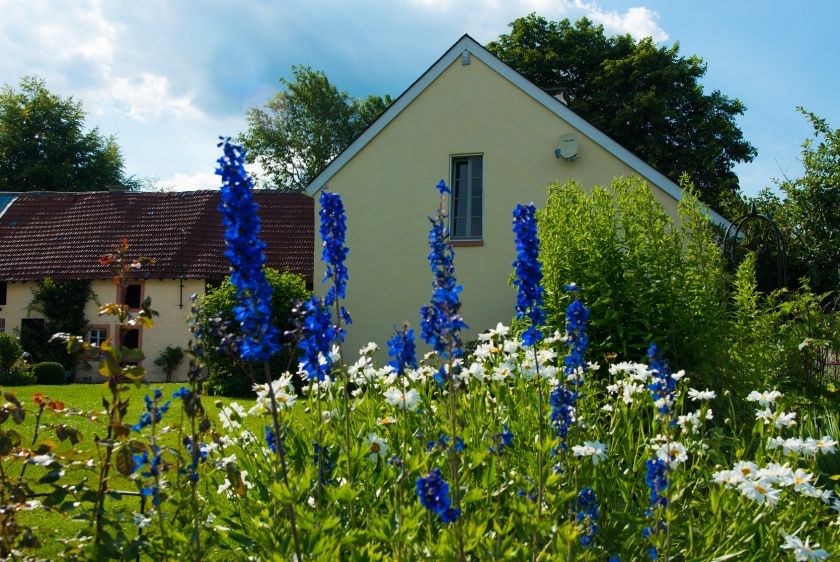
x: 529, y: 295
x: 529, y: 302
x: 441, y: 322
x: 244, y: 250
x: 441, y: 326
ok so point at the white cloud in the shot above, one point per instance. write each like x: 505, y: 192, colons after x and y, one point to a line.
x: 494, y: 15
x: 147, y: 97
x: 78, y: 50
x: 187, y: 182
x: 638, y: 21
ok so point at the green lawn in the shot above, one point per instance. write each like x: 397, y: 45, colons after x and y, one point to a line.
x: 84, y: 411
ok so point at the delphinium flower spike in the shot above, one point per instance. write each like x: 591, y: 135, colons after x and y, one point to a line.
x: 441, y: 326
x: 401, y: 350
x: 334, y: 253
x: 244, y: 250
x: 528, y: 280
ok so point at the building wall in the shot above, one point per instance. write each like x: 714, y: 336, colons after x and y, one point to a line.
x: 388, y: 191
x: 170, y: 328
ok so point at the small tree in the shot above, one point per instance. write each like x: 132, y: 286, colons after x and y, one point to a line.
x: 62, y: 304
x: 169, y: 359
x: 227, y: 374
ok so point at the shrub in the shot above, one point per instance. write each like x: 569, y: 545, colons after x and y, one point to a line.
x: 227, y: 375
x: 645, y: 277
x: 10, y: 351
x: 48, y: 372
x: 19, y: 374
x: 169, y: 359
x: 783, y: 339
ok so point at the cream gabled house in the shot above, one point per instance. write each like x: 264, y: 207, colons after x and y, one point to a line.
x: 497, y: 140
x: 62, y: 235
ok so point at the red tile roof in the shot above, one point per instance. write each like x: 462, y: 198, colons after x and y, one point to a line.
x: 62, y: 235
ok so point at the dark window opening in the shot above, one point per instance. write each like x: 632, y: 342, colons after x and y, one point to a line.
x: 131, y: 296
x: 2, y: 293
x: 131, y: 339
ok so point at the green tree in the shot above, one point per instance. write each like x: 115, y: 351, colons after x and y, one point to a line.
x: 304, y: 126
x: 62, y: 304
x: 810, y: 210
x: 44, y: 145
x: 646, y: 97
x: 228, y: 376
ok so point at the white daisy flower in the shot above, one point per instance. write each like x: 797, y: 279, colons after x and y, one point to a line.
x: 377, y: 447
x: 594, y: 449
x: 803, y: 551
x: 765, y: 398
x: 760, y: 491
x: 784, y: 419
x: 403, y: 399
x: 674, y: 453
x: 701, y: 395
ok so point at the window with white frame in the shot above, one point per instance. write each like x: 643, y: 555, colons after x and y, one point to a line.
x: 96, y: 336
x: 467, y: 198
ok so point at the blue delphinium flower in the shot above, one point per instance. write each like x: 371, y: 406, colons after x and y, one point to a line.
x: 260, y: 339
x: 271, y: 439
x: 318, y: 333
x: 563, y: 402
x: 333, y: 231
x: 563, y: 399
x: 663, y: 386
x: 529, y: 296
x: 154, y: 412
x: 577, y: 316
x: 657, y: 481
x: 502, y: 440
x: 441, y: 323
x: 401, y: 350
x: 588, y: 515
x: 326, y: 465
x: 433, y: 492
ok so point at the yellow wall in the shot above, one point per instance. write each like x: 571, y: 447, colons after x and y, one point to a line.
x: 170, y: 328
x: 388, y: 191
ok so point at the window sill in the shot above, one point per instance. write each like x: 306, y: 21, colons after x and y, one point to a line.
x: 465, y: 243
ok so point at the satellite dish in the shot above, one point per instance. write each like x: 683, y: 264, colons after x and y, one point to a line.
x: 568, y: 149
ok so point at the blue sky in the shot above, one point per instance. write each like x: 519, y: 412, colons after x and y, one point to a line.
x: 168, y: 77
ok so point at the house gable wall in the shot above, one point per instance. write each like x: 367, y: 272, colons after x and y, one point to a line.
x: 388, y: 191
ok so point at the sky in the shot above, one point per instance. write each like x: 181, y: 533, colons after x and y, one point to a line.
x: 167, y: 78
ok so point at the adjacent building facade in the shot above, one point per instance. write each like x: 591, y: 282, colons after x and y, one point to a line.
x: 63, y: 235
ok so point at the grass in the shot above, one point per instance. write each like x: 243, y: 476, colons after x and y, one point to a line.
x: 85, y: 412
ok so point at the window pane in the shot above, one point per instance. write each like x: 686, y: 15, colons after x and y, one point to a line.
x: 460, y: 169
x: 476, y: 166
x: 475, y: 231
x: 460, y: 229
x: 459, y: 188
x: 475, y: 211
x: 460, y: 208
x: 476, y: 187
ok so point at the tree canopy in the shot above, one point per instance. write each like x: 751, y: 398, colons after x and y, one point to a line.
x: 646, y: 97
x: 304, y: 126
x: 44, y: 145
x: 808, y: 212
